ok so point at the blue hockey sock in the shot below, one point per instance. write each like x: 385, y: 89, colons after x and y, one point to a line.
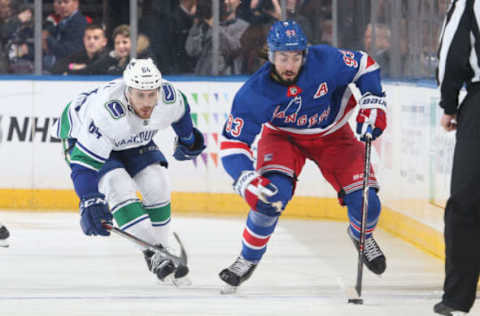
x: 354, y: 203
x: 256, y: 234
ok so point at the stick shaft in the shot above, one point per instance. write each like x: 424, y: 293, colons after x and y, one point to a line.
x: 128, y: 236
x: 178, y: 260
x: 366, y: 176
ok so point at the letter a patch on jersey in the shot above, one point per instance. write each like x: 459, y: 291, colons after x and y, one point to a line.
x: 321, y: 91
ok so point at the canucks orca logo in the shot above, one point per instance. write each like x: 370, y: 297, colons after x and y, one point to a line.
x: 290, y: 111
x: 115, y: 108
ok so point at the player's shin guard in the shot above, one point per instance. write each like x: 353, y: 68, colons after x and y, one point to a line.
x: 132, y: 217
x: 160, y: 215
x: 354, y: 203
x: 261, y: 223
x: 373, y: 256
x: 256, y: 235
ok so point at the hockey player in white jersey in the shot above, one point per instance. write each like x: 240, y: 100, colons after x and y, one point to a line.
x: 107, y: 135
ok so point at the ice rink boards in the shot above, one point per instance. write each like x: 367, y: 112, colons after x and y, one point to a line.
x: 51, y: 268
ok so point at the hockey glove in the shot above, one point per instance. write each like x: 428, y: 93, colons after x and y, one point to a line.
x: 185, y: 151
x: 257, y: 191
x: 372, y: 113
x: 94, y: 210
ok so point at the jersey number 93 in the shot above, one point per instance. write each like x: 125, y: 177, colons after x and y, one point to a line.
x: 234, y: 126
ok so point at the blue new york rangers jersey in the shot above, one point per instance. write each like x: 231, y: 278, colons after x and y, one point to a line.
x: 320, y: 102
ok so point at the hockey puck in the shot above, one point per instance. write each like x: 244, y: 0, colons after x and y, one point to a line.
x: 357, y: 301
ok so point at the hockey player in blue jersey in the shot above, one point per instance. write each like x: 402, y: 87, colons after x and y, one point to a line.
x: 108, y: 139
x: 300, y: 101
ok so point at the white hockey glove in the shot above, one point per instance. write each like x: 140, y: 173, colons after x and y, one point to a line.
x: 257, y: 190
x: 372, y: 113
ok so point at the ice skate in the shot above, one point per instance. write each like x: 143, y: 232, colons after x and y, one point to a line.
x: 443, y: 309
x: 236, y: 274
x: 4, y: 234
x: 373, y: 256
x: 165, y: 269
x: 158, y: 264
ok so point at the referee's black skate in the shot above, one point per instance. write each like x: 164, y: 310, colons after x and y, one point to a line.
x: 236, y: 274
x: 443, y: 309
x: 373, y: 256
x: 4, y: 234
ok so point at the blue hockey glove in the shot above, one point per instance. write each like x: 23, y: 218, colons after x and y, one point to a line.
x: 184, y: 151
x: 372, y: 113
x: 94, y: 210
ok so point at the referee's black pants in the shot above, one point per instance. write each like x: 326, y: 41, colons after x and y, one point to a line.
x: 462, y: 213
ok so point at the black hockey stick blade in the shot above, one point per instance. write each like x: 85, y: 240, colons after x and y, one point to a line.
x: 183, y: 252
x: 178, y: 260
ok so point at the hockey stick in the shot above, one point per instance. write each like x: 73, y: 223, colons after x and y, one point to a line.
x: 361, y: 250
x: 179, y: 261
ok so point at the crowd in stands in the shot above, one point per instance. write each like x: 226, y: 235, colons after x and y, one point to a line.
x: 176, y: 34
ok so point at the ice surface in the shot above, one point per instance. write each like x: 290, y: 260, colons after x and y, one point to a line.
x: 51, y: 268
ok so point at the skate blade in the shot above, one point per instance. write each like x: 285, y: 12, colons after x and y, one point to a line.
x: 170, y: 280
x: 182, y: 282
x: 228, y: 289
x: 4, y: 244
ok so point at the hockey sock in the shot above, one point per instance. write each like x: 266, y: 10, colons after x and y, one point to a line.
x: 160, y: 219
x: 354, y: 203
x: 256, y: 234
x: 132, y: 217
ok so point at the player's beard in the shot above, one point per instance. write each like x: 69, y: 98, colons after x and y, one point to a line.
x: 291, y: 75
x: 279, y: 78
x: 145, y: 113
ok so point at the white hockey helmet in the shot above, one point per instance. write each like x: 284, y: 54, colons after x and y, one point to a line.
x: 142, y: 74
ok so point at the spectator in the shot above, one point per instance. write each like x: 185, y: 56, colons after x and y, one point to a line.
x: 264, y: 11
x: 182, y: 21
x: 84, y: 61
x: 243, y: 11
x: 293, y: 13
x: 156, y: 25
x: 117, y: 13
x: 199, y: 39
x: 52, y: 20
x: 115, y: 62
x: 67, y: 36
x: 19, y: 34
x: 5, y: 10
x: 318, y: 11
x: 327, y: 32
x: 254, y: 47
x: 5, y: 13
x: 382, y: 52
x: 235, y: 27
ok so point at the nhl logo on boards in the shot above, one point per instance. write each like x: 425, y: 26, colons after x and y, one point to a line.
x: 321, y: 91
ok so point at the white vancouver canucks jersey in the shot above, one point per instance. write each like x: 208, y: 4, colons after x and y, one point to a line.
x: 102, y: 121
